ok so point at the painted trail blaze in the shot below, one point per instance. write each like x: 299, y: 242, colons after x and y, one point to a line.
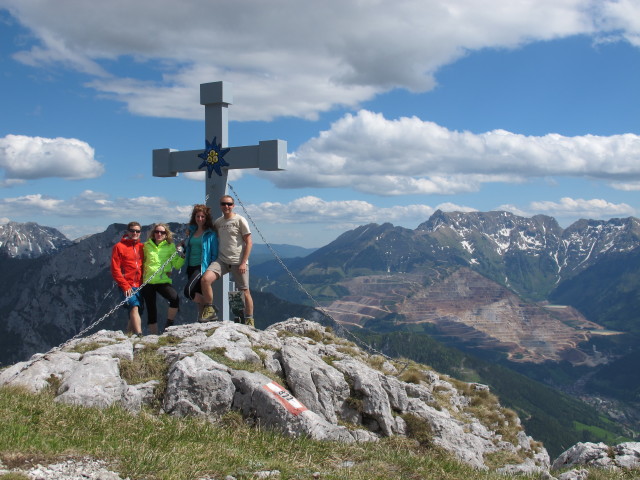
x: 287, y: 400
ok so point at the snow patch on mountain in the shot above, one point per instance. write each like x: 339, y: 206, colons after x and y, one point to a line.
x: 30, y: 240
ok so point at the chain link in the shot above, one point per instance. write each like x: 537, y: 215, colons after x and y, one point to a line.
x: 81, y: 333
x: 339, y: 326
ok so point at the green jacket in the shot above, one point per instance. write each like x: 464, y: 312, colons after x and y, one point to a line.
x: 155, y: 256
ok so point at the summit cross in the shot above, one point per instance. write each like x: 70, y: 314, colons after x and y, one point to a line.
x: 218, y: 159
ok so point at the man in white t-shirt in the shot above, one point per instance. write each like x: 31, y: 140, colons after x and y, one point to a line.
x: 234, y: 248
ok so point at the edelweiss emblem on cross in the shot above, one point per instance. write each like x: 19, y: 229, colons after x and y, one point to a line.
x: 213, y: 157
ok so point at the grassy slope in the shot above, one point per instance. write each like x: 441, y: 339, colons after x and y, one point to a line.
x: 33, y: 429
x: 149, y: 446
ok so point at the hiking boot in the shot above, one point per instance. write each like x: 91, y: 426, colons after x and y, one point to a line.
x: 208, y: 314
x: 249, y: 321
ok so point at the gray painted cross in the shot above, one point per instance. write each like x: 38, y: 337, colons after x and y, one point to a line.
x: 267, y: 155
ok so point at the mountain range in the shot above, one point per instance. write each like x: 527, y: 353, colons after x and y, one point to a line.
x: 533, y: 258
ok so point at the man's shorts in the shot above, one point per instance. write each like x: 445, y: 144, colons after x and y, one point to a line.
x: 134, y: 300
x: 241, y: 279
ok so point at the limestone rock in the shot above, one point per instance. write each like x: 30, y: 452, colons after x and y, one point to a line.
x: 317, y: 385
x: 95, y: 382
x: 198, y: 386
x: 135, y: 396
x: 624, y: 455
x: 367, y: 385
x: 264, y: 405
x: 36, y: 376
x: 295, y: 377
x: 580, y: 474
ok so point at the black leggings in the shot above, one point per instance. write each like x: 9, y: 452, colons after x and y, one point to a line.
x: 193, y: 283
x: 166, y: 290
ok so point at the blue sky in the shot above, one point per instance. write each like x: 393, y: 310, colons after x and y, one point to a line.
x: 391, y: 109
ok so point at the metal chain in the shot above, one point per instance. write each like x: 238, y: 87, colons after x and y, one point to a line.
x: 81, y: 333
x: 304, y: 290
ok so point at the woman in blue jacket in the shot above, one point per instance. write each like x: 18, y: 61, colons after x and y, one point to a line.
x: 201, y: 250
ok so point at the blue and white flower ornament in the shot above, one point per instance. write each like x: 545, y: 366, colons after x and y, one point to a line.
x: 213, y: 157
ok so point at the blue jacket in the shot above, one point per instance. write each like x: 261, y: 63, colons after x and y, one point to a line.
x: 209, y: 247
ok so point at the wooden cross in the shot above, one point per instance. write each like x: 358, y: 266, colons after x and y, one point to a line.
x: 267, y: 155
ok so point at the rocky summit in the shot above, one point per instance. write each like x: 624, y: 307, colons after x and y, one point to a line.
x: 296, y: 376
x: 301, y: 379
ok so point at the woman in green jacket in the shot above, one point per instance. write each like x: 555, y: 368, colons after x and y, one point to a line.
x: 158, y: 248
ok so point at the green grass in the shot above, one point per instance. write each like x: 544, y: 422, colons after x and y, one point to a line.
x: 600, y: 433
x: 33, y: 427
x: 161, y: 447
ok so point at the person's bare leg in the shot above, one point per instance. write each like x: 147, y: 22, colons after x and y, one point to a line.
x: 134, y: 320
x: 248, y: 303
x: 200, y: 302
x: 208, y: 310
x: 153, y: 328
x: 207, y: 290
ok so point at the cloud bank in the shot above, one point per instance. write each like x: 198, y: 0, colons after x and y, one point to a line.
x: 285, y: 58
x: 375, y: 155
x: 334, y: 215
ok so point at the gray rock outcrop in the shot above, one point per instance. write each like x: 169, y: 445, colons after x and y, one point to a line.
x: 625, y: 455
x: 295, y: 377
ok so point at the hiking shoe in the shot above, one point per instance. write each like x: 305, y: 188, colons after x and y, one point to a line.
x: 168, y: 324
x: 249, y: 321
x: 208, y: 314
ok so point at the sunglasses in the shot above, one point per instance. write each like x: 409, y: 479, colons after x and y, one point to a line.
x: 161, y: 232
x: 133, y: 230
x: 226, y: 204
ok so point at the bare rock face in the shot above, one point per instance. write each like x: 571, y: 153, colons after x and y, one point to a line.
x: 198, y: 386
x: 295, y: 377
x: 625, y: 455
x: 30, y: 240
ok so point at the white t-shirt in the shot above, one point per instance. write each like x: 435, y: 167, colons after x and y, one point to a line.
x: 231, y: 233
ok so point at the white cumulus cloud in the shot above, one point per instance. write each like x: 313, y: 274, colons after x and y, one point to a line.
x: 567, y: 210
x: 89, y: 204
x: 342, y: 214
x: 372, y: 154
x: 27, y: 158
x: 583, y: 208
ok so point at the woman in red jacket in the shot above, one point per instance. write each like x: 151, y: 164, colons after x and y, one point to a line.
x: 127, y: 258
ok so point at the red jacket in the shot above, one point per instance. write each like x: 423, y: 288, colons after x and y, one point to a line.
x: 127, y: 258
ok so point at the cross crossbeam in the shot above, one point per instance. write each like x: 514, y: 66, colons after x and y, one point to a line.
x: 270, y: 155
